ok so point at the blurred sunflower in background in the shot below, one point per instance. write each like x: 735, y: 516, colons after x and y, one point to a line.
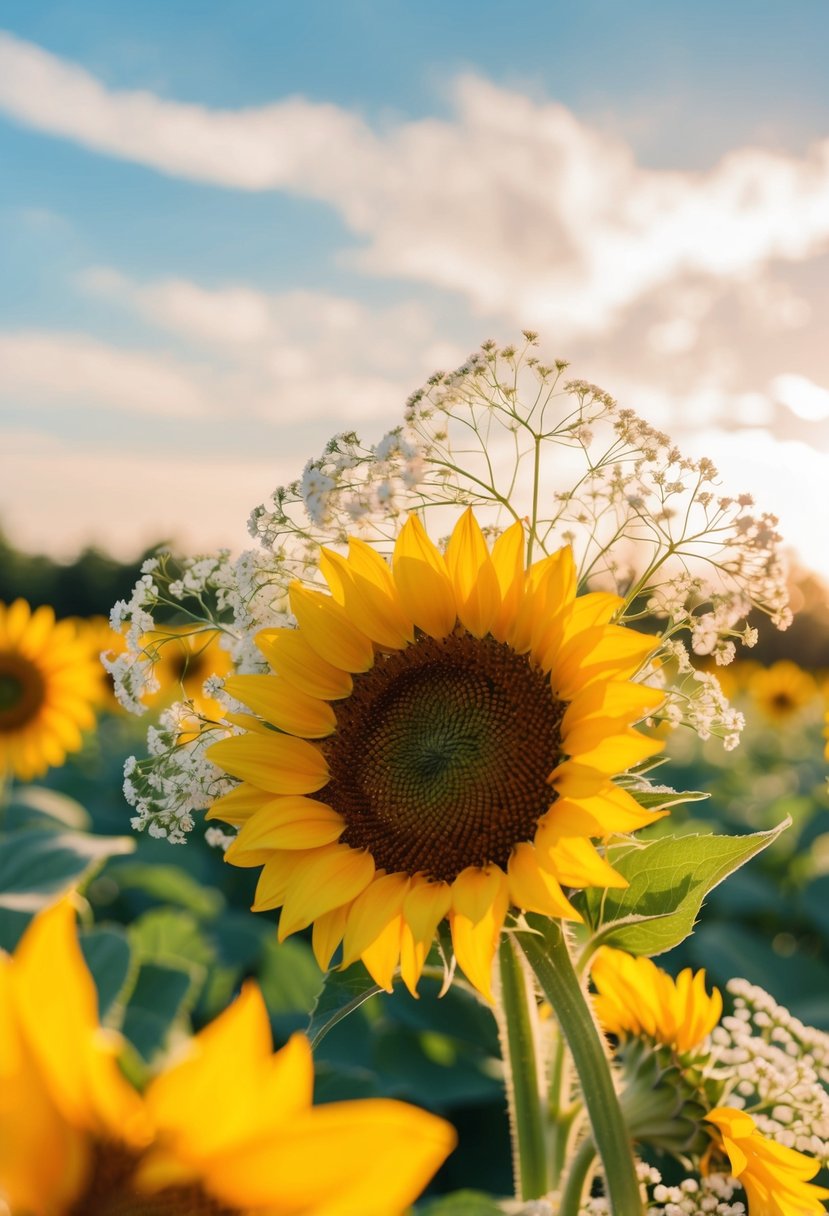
x: 439, y: 741
x: 781, y: 691
x: 227, y: 1129
x: 184, y: 660
x: 49, y: 684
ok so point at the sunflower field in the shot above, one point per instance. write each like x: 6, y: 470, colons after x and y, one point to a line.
x: 462, y: 848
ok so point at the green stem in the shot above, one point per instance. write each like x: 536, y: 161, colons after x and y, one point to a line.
x: 518, y: 1048
x: 577, y: 1175
x: 548, y: 954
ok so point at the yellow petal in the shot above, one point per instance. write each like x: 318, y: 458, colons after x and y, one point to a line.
x: 276, y: 876
x: 535, y: 889
x: 508, y: 563
x: 291, y: 657
x: 610, y: 754
x: 321, y: 881
x: 617, y: 700
x: 377, y: 607
x: 75, y: 1055
x: 201, y: 1110
x: 287, y: 823
x: 277, y: 763
x: 328, y: 630
x: 425, y: 906
x: 239, y: 804
x: 575, y: 863
x: 479, y: 906
x: 477, y: 592
x: 423, y: 582
x: 364, y: 1158
x: 608, y: 652
x: 283, y: 705
x: 327, y: 934
x: 372, y: 911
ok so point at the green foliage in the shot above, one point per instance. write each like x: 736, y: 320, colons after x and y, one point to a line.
x: 462, y: 1203
x: 667, y: 879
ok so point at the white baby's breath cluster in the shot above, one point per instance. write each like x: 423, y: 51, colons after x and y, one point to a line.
x: 777, y: 1069
x: 175, y: 779
x: 506, y: 434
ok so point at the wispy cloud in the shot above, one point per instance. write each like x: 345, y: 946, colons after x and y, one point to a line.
x: 77, y: 369
x: 517, y: 204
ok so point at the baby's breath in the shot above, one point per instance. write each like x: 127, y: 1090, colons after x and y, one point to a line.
x: 508, y: 434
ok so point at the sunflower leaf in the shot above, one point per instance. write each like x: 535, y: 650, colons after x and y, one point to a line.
x: 668, y: 879
x: 660, y: 798
x: 342, y: 992
x: 36, y: 866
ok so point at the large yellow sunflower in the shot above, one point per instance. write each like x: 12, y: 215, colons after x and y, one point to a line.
x: 439, y: 740
x: 48, y: 685
x: 228, y: 1130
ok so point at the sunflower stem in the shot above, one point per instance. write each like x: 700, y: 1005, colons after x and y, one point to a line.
x: 519, y: 1043
x: 576, y: 1180
x: 549, y: 956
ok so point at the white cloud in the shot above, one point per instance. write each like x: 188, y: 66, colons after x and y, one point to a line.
x: 804, y: 398
x: 312, y: 354
x: 518, y: 205
x: 74, y: 368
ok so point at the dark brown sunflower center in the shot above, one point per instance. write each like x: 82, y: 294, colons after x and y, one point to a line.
x: 22, y: 690
x: 110, y: 1192
x: 442, y: 755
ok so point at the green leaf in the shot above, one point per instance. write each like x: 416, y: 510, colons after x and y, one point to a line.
x: 161, y: 996
x: 288, y: 976
x: 165, y: 935
x: 668, y: 879
x: 463, y: 1203
x: 109, y: 958
x: 38, y: 806
x: 170, y: 885
x: 342, y: 992
x: 36, y: 866
x: 662, y: 798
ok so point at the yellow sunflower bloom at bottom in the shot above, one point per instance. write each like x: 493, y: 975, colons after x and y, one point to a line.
x: 438, y: 740
x: 776, y: 1179
x: 228, y: 1130
x: 48, y: 686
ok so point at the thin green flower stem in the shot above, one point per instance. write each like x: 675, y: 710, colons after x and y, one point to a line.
x: 549, y: 956
x: 562, y: 1113
x: 521, y: 1074
x: 577, y: 1177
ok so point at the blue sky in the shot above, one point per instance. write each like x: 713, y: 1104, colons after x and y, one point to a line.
x: 230, y: 230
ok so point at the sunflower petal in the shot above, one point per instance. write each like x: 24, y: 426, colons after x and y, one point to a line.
x: 291, y: 657
x: 473, y: 576
x: 479, y: 906
x: 423, y: 581
x: 535, y: 889
x: 328, y: 630
x: 322, y: 880
x: 277, y: 763
x: 283, y: 706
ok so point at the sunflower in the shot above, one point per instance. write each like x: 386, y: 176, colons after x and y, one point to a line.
x: 48, y: 685
x: 635, y: 997
x: 775, y: 1178
x: 185, y: 658
x: 227, y: 1130
x: 100, y: 638
x: 439, y: 741
x: 782, y: 690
